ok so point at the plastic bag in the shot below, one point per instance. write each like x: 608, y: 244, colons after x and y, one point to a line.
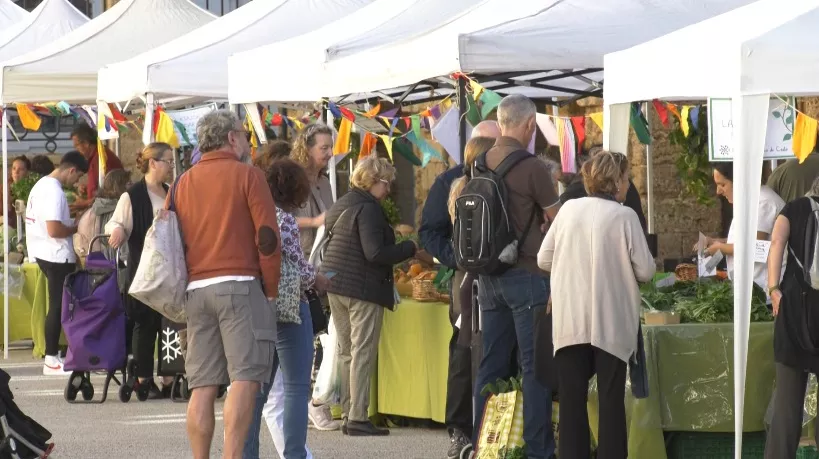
x: 161, y: 278
x: 502, y: 425
x: 328, y: 380
x: 17, y: 280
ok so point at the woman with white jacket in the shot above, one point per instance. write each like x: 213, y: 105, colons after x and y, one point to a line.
x: 596, y: 253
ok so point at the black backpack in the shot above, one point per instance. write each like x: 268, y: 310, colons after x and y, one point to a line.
x: 484, y: 238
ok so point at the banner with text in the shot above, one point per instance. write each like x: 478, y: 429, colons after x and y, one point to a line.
x: 188, y: 119
x: 778, y: 138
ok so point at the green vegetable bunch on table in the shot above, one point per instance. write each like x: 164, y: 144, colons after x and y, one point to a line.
x: 703, y: 301
x: 22, y: 188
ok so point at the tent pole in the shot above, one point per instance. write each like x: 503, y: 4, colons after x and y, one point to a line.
x: 555, y: 112
x: 649, y: 176
x: 5, y: 141
x: 462, y: 108
x: 148, y: 130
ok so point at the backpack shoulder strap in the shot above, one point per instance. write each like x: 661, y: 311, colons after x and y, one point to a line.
x: 511, y: 161
x: 480, y: 163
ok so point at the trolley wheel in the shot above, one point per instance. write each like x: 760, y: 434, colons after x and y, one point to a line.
x: 183, y: 389
x: 87, y: 390
x: 466, y: 453
x: 125, y: 393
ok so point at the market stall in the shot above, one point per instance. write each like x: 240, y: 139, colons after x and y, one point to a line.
x: 51, y: 20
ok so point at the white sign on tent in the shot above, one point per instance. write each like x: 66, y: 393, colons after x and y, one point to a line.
x: 188, y: 118
x: 778, y: 136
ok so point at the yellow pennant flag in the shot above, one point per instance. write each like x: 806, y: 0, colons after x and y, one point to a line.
x: 165, y: 131
x: 598, y: 119
x: 30, y: 120
x: 342, y: 145
x: 387, y: 143
x: 299, y: 125
x: 446, y: 104
x: 684, y: 119
x: 804, y: 136
x: 477, y: 89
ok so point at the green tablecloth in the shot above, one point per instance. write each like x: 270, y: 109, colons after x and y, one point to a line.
x: 691, y: 384
x: 413, y: 361
x: 27, y: 314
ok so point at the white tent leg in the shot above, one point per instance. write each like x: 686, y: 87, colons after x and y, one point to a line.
x: 750, y: 114
x: 615, y: 127
x: 649, y: 177
x: 333, y: 166
x: 148, y: 130
x: 5, y: 236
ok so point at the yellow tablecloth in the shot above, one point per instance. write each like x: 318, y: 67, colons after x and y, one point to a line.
x: 413, y: 361
x: 27, y: 313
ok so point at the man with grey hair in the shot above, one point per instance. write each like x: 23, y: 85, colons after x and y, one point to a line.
x: 228, y: 223
x: 510, y: 301
x: 435, y: 235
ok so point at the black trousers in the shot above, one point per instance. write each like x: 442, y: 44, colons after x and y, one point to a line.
x: 459, y: 380
x: 55, y: 275
x: 576, y: 365
x: 147, y: 325
x: 786, y: 424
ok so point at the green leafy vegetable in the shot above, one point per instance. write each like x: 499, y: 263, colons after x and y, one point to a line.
x: 22, y: 188
x: 705, y: 301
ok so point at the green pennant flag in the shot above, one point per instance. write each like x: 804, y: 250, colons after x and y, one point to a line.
x: 183, y: 132
x: 473, y: 115
x: 489, y: 100
x: 427, y: 150
x: 400, y: 145
x: 639, y: 124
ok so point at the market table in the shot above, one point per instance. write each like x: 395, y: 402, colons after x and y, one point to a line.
x: 690, y: 374
x: 27, y: 313
x: 413, y: 361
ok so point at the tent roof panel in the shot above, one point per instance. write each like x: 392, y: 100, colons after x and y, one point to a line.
x: 10, y: 14
x: 48, y: 22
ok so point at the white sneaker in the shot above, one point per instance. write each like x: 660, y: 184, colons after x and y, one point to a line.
x: 53, y: 366
x: 321, y: 417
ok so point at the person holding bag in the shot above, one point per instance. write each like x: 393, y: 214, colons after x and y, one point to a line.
x: 132, y: 218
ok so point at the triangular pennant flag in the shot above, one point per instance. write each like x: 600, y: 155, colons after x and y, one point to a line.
x: 299, y: 125
x: 694, y: 115
x: 477, y: 89
x: 117, y: 115
x: 579, y: 124
x: 367, y: 145
x: 276, y: 119
x: 342, y: 145
x: 416, y: 125
x: 684, y: 119
x: 661, y: 111
x: 473, y: 115
x: 427, y: 151
x: 345, y: 112
x: 804, y: 136
x: 334, y: 110
x: 390, y: 113
x: 373, y: 111
x: 490, y: 99
x: 435, y: 112
x: 597, y: 119
x: 28, y: 118
x: 547, y: 127
x: 165, y: 131
x: 568, y: 153
x: 407, y: 122
x: 183, y: 132
x: 639, y: 124
x: 446, y: 104
x: 401, y: 146
x: 387, y: 144
x: 673, y: 109
x: 64, y: 108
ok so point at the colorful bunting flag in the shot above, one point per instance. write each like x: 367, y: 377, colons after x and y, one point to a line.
x: 28, y: 118
x: 477, y: 89
x: 579, y: 124
x: 387, y: 144
x: 400, y: 145
x: 684, y: 119
x: 165, y: 131
x: 661, y: 111
x: 334, y: 110
x: 804, y: 136
x: 568, y: 154
x: 639, y: 124
x: 427, y: 151
x: 373, y: 111
x: 673, y: 109
x: 473, y: 115
x: 694, y: 115
x: 367, y: 145
x: 597, y: 118
x: 547, y: 127
x: 490, y: 100
x: 342, y: 145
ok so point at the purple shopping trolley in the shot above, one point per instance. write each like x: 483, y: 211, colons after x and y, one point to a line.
x: 93, y: 319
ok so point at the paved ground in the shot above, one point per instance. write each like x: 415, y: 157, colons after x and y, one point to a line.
x: 156, y: 429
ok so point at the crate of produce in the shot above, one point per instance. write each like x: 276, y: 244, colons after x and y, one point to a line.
x: 708, y: 445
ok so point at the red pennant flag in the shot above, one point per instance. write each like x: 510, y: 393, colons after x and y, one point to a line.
x: 118, y: 116
x: 407, y: 121
x: 276, y: 120
x: 157, y: 111
x: 661, y: 111
x: 347, y: 113
x: 673, y: 109
x: 579, y: 123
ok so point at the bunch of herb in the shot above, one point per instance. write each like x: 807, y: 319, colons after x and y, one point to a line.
x: 22, y: 188
x: 705, y: 301
x: 391, y: 211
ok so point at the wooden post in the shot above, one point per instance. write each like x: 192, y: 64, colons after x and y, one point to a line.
x: 109, y: 4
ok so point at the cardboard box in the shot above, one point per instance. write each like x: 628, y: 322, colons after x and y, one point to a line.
x: 661, y: 318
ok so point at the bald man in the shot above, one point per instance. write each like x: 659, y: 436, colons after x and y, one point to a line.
x: 487, y: 128
x: 436, y: 238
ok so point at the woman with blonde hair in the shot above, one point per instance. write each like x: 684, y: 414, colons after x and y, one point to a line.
x: 596, y: 253
x: 358, y: 261
x: 133, y: 216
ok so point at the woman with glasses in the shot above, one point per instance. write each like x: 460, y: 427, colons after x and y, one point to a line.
x: 596, y: 253
x: 358, y: 261
x: 133, y: 216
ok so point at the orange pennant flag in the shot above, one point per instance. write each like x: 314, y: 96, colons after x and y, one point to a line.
x: 367, y: 145
x: 342, y: 145
x: 804, y: 136
x: 28, y: 118
x: 673, y: 109
x: 373, y: 111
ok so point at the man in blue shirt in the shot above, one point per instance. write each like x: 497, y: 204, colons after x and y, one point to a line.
x: 435, y: 235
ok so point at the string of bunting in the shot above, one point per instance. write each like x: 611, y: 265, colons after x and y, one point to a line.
x: 31, y: 115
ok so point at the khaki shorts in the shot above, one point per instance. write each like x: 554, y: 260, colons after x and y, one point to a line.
x: 231, y: 334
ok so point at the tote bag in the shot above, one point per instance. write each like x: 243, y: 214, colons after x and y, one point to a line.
x: 162, y: 276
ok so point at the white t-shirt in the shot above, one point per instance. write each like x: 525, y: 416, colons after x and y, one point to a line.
x: 47, y: 203
x: 770, y: 204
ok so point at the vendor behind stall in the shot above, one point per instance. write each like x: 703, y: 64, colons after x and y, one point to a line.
x: 770, y: 204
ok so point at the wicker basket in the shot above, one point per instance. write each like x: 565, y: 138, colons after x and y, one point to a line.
x: 424, y: 290
x: 686, y: 272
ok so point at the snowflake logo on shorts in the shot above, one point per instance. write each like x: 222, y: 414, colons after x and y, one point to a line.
x: 170, y: 345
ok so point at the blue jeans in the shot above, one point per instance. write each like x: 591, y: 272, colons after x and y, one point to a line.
x: 508, y: 303
x: 294, y: 352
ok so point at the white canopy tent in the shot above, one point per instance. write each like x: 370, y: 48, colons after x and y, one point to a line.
x: 767, y: 47
x: 10, y: 14
x: 196, y: 64
x: 67, y: 68
x: 253, y: 76
x: 51, y: 20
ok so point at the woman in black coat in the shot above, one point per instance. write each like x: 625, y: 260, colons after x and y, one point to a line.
x: 359, y: 260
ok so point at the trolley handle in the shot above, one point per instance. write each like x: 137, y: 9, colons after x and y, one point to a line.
x: 105, y: 238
